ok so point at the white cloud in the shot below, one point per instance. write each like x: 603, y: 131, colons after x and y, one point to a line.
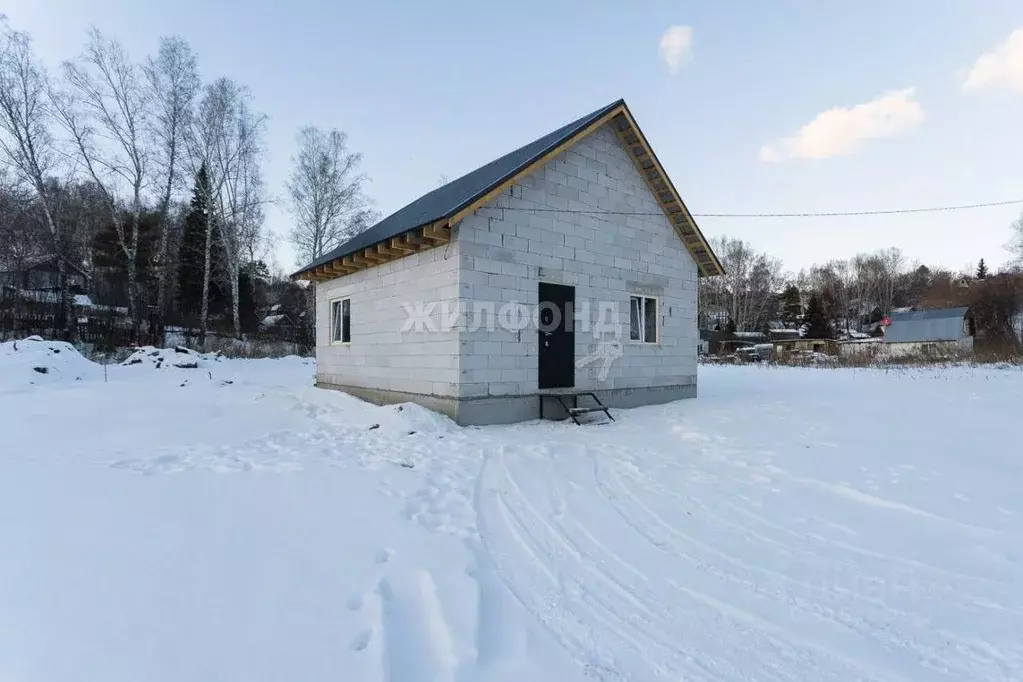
x: 676, y: 44
x: 1001, y: 68
x: 840, y: 131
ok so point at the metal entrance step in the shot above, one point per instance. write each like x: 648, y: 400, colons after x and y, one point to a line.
x: 574, y: 410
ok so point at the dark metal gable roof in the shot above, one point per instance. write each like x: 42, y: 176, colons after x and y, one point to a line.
x: 449, y: 199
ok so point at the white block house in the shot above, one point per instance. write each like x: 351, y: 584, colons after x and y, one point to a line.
x: 569, y: 265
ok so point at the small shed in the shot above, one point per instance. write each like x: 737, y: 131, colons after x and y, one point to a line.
x: 860, y: 348
x: 779, y: 334
x: 786, y: 347
x: 936, y: 331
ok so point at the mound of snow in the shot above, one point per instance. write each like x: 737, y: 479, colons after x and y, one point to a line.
x: 178, y: 356
x: 415, y: 418
x: 34, y: 360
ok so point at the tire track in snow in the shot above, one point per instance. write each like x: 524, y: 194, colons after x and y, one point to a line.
x: 559, y: 602
x: 577, y: 590
x: 869, y: 500
x: 655, y: 620
x: 929, y: 646
x: 806, y: 552
x: 883, y: 622
x: 534, y: 586
x: 777, y: 633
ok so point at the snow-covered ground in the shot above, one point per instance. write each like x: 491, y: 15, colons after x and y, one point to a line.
x: 230, y: 522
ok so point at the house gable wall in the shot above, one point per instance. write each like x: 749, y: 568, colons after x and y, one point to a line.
x: 506, y: 249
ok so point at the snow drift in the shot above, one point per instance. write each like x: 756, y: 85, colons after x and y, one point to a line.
x: 178, y: 356
x: 34, y: 361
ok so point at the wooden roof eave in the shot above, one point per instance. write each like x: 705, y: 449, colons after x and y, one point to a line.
x: 393, y: 248
x: 660, y: 184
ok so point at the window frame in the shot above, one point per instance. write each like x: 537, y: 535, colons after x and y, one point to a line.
x: 644, y: 298
x: 340, y: 303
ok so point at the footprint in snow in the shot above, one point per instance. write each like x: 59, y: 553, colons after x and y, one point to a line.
x: 384, y: 555
x: 361, y: 640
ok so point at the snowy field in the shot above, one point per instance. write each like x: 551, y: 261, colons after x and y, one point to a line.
x: 230, y: 522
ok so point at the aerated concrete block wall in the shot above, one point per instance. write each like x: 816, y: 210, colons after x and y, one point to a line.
x: 506, y: 249
x: 389, y: 363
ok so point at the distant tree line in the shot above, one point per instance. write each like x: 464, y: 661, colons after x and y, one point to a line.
x: 848, y: 296
x: 150, y: 179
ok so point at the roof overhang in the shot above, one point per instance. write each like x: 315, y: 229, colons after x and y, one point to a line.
x: 439, y: 232
x: 664, y: 191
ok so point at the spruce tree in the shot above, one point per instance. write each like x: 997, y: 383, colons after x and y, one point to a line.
x: 817, y: 324
x: 981, y: 269
x: 192, y: 254
x: 792, y: 306
x: 252, y: 282
x: 220, y: 282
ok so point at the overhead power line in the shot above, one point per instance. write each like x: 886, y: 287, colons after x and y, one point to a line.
x: 808, y: 214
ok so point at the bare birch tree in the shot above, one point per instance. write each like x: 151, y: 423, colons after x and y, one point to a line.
x: 105, y: 109
x: 864, y: 284
x: 21, y: 232
x: 890, y: 264
x: 241, y: 204
x: 172, y: 80
x: 226, y: 138
x: 1015, y: 246
x: 201, y: 138
x: 833, y: 282
x: 326, y: 193
x: 27, y: 144
x: 752, y: 281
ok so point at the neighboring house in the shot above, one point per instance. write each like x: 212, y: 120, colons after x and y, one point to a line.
x: 277, y: 320
x: 43, y: 274
x: 711, y: 340
x: 567, y: 266
x: 937, y: 331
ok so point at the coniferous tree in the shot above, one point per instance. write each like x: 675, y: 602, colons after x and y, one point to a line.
x: 253, y: 279
x: 192, y: 255
x: 817, y: 324
x: 832, y: 311
x: 247, y: 316
x: 981, y: 269
x: 792, y: 306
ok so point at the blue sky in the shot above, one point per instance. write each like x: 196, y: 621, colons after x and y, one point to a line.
x: 427, y: 90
